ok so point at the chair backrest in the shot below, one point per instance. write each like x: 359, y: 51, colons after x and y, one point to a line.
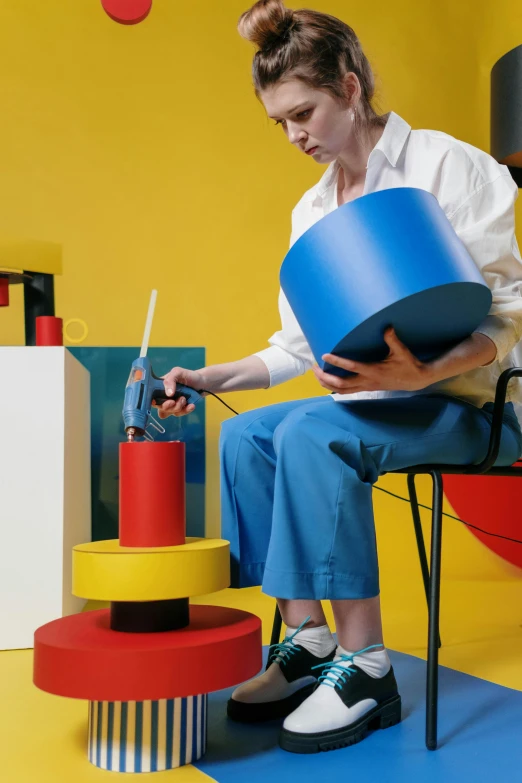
x: 515, y: 386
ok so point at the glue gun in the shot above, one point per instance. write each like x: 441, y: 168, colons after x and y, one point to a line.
x: 142, y: 388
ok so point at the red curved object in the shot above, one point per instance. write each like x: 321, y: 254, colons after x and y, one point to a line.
x: 152, y: 493
x: 127, y: 11
x: 49, y: 330
x: 492, y: 503
x: 4, y: 292
x: 79, y: 656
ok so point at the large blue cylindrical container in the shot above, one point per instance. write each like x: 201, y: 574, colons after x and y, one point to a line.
x: 388, y: 258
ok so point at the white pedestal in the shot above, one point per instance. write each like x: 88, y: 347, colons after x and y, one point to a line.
x: 45, y: 486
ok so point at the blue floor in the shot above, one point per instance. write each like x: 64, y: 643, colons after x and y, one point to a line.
x: 480, y: 739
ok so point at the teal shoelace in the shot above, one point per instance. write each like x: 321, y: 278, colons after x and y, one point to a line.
x: 282, y: 652
x: 334, y: 674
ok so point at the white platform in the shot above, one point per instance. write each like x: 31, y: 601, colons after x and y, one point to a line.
x: 45, y: 486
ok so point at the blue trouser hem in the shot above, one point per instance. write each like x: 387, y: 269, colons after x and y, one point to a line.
x: 307, y: 586
x: 315, y: 586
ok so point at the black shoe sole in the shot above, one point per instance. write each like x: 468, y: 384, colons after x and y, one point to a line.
x: 255, y: 713
x: 381, y: 717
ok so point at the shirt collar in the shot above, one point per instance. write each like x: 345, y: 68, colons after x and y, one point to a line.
x: 391, y: 144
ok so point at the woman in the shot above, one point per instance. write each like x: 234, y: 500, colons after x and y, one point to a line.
x: 296, y: 477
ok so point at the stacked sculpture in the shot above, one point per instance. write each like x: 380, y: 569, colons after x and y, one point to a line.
x: 147, y: 664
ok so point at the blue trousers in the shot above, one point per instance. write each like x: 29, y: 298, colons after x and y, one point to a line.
x: 296, y: 483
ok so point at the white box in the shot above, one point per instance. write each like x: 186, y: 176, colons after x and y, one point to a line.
x: 45, y: 486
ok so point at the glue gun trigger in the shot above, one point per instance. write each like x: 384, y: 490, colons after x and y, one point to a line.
x: 160, y: 397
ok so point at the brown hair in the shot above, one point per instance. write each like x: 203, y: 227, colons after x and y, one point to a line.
x: 316, y: 48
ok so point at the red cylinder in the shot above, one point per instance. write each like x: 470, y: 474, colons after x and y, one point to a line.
x: 152, y: 493
x: 49, y: 330
x: 4, y: 291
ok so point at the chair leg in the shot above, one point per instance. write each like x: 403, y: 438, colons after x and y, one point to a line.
x: 433, y: 614
x: 276, y: 627
x: 420, y: 540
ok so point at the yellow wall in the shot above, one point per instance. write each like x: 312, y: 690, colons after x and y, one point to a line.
x: 145, y: 153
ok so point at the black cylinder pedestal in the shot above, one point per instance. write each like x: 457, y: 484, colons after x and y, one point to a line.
x: 149, y: 616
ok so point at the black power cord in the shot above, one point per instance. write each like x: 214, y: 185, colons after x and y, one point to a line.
x: 407, y: 500
x: 218, y: 398
x: 468, y: 524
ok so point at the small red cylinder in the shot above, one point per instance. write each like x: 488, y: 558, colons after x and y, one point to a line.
x: 4, y: 291
x: 49, y: 330
x: 152, y: 493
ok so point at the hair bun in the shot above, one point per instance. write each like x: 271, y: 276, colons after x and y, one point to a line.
x: 265, y: 23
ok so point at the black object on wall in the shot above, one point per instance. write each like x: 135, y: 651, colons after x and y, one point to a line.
x: 38, y: 300
x: 506, y: 112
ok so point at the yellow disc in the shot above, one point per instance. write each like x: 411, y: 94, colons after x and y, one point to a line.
x: 106, y: 571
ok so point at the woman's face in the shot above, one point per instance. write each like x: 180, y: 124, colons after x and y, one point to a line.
x: 311, y: 118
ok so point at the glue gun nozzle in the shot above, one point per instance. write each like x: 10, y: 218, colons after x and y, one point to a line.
x: 130, y: 435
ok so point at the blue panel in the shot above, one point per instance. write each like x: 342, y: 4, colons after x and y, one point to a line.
x: 170, y: 732
x: 154, y: 737
x: 99, y: 733
x: 123, y: 734
x: 138, y: 737
x: 183, y: 732
x: 110, y: 729
x: 109, y: 369
x: 387, y: 258
x: 479, y: 738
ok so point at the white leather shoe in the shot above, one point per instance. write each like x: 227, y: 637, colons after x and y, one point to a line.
x: 346, y: 703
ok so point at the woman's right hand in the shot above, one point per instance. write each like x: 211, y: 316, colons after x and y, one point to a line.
x: 192, y: 378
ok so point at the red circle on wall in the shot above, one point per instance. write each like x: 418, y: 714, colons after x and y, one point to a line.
x: 127, y: 11
x: 493, y: 504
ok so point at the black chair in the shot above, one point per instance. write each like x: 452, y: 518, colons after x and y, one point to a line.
x: 431, y: 577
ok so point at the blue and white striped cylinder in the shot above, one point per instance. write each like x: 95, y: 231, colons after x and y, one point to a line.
x: 147, y: 736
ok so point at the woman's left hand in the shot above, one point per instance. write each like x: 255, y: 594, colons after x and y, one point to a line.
x: 400, y: 370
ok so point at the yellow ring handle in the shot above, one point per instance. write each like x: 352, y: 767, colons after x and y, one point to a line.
x: 75, y: 321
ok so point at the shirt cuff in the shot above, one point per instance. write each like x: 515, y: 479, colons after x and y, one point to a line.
x: 502, y: 332
x: 281, y: 365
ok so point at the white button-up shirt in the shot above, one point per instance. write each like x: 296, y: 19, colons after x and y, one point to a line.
x: 477, y: 195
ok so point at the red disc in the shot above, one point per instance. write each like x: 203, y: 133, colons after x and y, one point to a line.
x: 127, y: 11
x: 152, y: 493
x: 49, y: 330
x: 491, y: 503
x: 81, y: 657
x: 4, y: 292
